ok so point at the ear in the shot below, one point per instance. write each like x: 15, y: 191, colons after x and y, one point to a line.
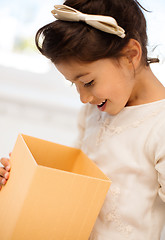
x: 133, y: 53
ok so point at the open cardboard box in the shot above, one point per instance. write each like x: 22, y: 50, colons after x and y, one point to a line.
x: 54, y: 192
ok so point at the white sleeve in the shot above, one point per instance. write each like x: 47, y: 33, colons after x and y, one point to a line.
x: 81, y: 127
x: 160, y: 159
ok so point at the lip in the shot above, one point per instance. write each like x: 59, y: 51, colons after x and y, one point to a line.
x: 103, y: 107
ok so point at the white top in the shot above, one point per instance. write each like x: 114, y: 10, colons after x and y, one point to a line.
x: 130, y: 149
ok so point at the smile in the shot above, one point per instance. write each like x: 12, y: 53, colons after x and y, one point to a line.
x: 102, y: 105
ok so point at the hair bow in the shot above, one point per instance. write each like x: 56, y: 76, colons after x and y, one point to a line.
x: 103, y: 23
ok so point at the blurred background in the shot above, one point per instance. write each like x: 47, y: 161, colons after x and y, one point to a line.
x: 34, y: 98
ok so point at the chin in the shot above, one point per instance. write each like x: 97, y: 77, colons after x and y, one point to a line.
x: 114, y: 112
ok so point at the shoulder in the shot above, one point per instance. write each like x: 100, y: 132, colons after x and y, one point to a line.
x: 156, y: 137
x: 88, y: 114
x: 159, y: 125
x: 154, y: 113
x: 87, y: 111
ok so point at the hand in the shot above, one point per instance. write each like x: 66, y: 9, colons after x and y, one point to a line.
x: 4, y: 171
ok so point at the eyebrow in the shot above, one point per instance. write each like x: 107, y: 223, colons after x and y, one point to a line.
x: 80, y: 75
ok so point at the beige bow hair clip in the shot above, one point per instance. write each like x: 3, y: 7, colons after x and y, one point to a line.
x: 103, y: 23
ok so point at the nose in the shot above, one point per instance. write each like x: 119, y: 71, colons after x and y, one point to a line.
x: 85, y: 95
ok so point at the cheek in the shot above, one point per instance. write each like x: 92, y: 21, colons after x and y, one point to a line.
x: 101, y: 91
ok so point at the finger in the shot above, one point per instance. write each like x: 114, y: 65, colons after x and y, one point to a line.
x: 2, y: 181
x: 4, y: 173
x: 5, y: 163
x: 10, y: 154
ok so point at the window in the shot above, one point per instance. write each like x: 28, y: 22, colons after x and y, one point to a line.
x: 19, y: 21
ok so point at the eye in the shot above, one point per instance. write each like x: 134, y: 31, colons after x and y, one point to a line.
x: 89, y: 84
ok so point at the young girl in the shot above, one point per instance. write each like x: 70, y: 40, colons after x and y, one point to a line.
x: 122, y: 127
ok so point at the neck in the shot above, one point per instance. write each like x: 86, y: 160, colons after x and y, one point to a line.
x: 147, y: 88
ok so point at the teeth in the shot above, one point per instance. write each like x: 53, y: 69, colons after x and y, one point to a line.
x: 102, y: 103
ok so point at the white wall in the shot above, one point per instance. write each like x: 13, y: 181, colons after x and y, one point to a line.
x: 40, y: 105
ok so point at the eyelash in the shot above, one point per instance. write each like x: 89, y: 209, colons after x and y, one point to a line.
x: 86, y: 84
x: 89, y: 84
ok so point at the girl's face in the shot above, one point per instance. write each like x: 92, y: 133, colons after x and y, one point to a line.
x: 105, y: 83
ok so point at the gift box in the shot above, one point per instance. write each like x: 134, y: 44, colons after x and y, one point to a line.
x: 54, y: 192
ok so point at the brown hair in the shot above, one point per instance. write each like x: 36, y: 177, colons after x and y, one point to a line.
x: 64, y: 40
